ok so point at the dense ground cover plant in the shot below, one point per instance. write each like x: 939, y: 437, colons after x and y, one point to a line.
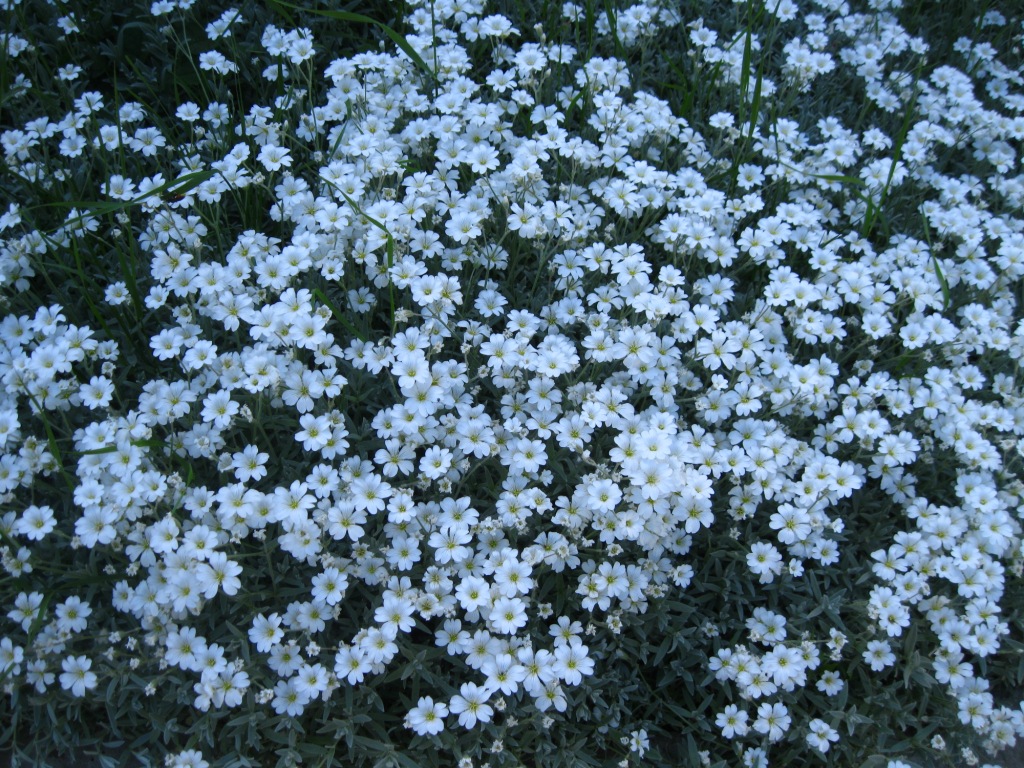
x: 556, y: 384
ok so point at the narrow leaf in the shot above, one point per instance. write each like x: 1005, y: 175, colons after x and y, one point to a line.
x: 358, y: 18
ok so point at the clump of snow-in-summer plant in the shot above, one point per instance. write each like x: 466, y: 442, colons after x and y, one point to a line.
x: 509, y: 378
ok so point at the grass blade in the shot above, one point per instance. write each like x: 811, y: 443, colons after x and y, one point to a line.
x: 359, y: 18
x: 338, y: 314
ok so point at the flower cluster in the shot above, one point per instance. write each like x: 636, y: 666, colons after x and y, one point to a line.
x: 509, y: 349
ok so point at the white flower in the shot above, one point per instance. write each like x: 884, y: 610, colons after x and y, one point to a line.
x: 249, y: 464
x: 772, y: 720
x: 426, y: 717
x: 72, y: 614
x: 470, y: 704
x: 732, y: 721
x: 329, y: 586
x: 552, y: 695
x: 312, y: 680
x: 395, y: 615
x: 266, y: 632
x: 11, y: 656
x: 473, y: 592
x: 436, y: 462
x: 879, y: 655
x: 450, y: 544
x: 77, y: 676
x: 97, y: 392
x: 190, y: 758
x: 504, y: 673
x: 274, y: 158
x: 96, y: 526
x: 830, y: 683
x: 315, y: 432
x: 35, y: 522
x: 26, y: 608
x: 351, y: 664
x: 187, y: 112
x: 764, y: 561
x: 639, y: 742
x: 507, y: 615
x: 290, y: 697
x: 572, y: 662
x: 821, y: 735
x: 218, y: 574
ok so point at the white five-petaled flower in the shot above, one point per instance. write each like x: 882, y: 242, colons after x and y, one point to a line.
x: 274, y: 158
x: 77, y: 676
x: 427, y: 717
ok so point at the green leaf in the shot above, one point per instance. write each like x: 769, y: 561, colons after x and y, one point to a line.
x: 408, y: 762
x: 175, y: 188
x: 613, y: 25
x: 745, y: 66
x: 371, y: 745
x: 663, y: 649
x: 942, y: 282
x: 358, y: 18
x: 337, y: 314
x: 840, y: 179
x: 755, y: 104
